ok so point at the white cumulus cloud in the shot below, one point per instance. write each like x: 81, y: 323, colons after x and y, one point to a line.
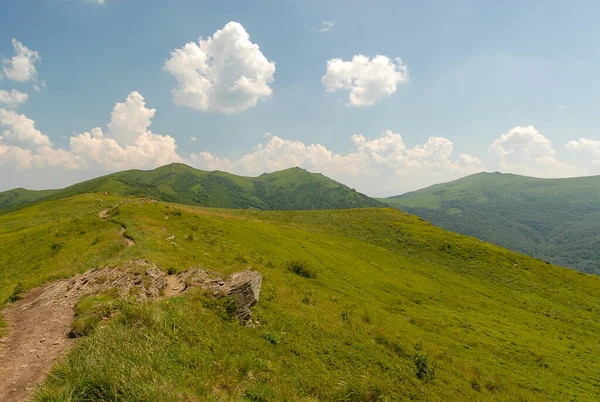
x: 368, y: 80
x: 584, y: 144
x: 378, y: 166
x: 12, y: 99
x: 524, y: 150
x: 19, y: 129
x: 225, y: 73
x: 127, y: 142
x: 21, y: 67
x: 587, y: 151
x: 24, y: 146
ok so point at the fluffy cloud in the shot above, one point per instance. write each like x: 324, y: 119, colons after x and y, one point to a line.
x: 20, y: 129
x: 128, y: 143
x: 368, y: 80
x: 225, y: 73
x: 12, y: 99
x: 587, y: 151
x: 24, y: 146
x: 524, y: 150
x: 130, y: 119
x: 22, y: 65
x: 584, y: 144
x: 382, y: 165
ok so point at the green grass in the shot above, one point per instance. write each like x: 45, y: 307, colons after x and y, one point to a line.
x: 399, y: 309
x: 557, y: 220
x: 19, y: 197
x: 92, y: 310
x: 289, y: 189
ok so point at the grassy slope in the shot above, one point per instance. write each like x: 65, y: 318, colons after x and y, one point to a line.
x: 554, y: 219
x: 389, y: 287
x: 19, y: 197
x: 287, y: 189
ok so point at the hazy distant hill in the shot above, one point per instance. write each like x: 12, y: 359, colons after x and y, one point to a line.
x: 291, y: 189
x: 557, y: 220
x: 19, y: 197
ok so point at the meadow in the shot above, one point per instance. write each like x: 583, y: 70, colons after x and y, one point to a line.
x: 384, y: 307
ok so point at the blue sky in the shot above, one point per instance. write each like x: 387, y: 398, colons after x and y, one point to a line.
x: 497, y: 85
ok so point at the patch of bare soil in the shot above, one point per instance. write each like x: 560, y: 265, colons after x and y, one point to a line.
x: 130, y: 242
x: 38, y: 336
x: 40, y: 323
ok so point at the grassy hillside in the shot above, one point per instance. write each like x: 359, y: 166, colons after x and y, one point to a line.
x: 19, y: 197
x: 395, y: 308
x: 292, y: 189
x: 557, y: 220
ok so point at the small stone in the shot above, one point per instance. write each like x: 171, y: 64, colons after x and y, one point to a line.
x: 56, y: 343
x: 42, y: 340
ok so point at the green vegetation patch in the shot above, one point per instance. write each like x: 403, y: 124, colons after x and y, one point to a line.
x: 301, y: 268
x: 290, y: 189
x: 557, y: 220
x: 399, y: 309
x: 92, y: 310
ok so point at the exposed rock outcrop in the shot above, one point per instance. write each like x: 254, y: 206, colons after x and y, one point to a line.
x: 246, y: 287
x: 144, y: 281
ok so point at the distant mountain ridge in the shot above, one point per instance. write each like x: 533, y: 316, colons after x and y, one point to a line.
x: 290, y: 189
x: 21, y: 197
x: 557, y: 220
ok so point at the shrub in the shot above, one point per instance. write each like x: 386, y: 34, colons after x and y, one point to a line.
x: 425, y: 368
x: 17, y: 293
x: 225, y: 306
x: 56, y: 247
x: 272, y: 338
x: 302, y: 268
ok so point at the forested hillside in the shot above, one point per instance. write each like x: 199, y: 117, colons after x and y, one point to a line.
x: 557, y: 220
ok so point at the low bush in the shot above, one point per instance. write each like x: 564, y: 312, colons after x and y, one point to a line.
x: 301, y: 268
x: 425, y: 367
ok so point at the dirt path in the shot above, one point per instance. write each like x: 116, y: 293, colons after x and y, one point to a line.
x: 129, y: 242
x: 38, y: 337
x: 40, y: 323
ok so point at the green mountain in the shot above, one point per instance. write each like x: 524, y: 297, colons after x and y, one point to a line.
x: 356, y: 305
x: 291, y: 189
x: 19, y: 197
x: 557, y: 220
